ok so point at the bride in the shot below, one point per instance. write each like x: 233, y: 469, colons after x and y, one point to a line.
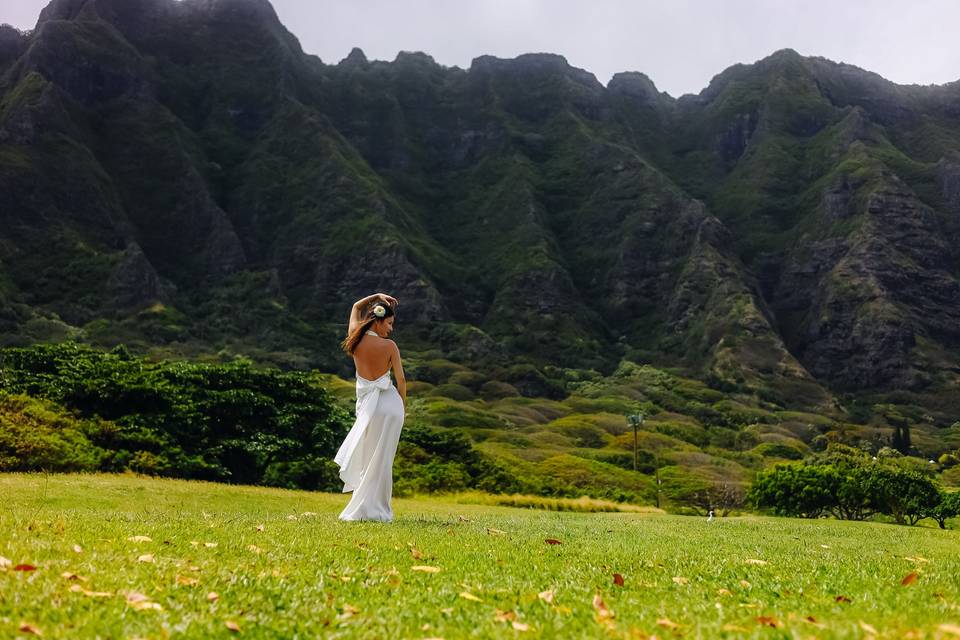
x: 366, y: 455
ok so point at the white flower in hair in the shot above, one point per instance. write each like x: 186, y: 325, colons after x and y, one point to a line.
x: 379, y: 311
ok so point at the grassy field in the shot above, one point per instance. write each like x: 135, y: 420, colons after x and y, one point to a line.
x: 131, y: 557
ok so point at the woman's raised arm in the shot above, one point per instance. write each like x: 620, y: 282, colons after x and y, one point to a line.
x: 356, y: 313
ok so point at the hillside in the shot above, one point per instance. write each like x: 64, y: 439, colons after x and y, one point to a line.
x: 182, y: 178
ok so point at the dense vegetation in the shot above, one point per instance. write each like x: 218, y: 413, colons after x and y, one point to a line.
x: 850, y: 485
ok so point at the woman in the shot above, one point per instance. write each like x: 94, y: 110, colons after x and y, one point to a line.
x: 366, y: 455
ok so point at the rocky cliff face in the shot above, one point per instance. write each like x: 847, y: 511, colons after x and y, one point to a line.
x: 793, y: 228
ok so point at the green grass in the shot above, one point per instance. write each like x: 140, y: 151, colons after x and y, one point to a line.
x: 310, y: 575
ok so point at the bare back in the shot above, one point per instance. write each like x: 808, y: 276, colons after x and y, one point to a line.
x: 373, y: 357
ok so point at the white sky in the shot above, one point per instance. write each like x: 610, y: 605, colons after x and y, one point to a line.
x: 680, y: 44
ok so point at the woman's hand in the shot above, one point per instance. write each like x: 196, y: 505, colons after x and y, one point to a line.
x: 393, y: 302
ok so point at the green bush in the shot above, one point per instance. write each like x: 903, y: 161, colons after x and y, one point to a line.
x: 36, y: 435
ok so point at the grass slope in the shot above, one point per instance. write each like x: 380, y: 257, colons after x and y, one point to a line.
x: 305, y: 574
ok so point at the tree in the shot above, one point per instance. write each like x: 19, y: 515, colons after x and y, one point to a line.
x: 906, y: 495
x: 947, y: 507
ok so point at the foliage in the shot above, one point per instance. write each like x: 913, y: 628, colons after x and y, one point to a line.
x: 233, y: 422
x: 850, y: 485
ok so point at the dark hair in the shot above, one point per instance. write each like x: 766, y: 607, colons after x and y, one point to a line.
x: 354, y: 337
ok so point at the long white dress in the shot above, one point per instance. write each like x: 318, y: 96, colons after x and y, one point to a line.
x: 367, y: 453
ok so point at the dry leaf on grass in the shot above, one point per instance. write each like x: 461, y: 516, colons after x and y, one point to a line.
x: 67, y: 575
x: 213, y: 596
x: 520, y: 626
x: 755, y: 561
x: 147, y: 557
x: 600, y: 607
x: 32, y: 629
x: 77, y: 548
x: 909, y: 579
x: 745, y: 584
x: 952, y: 629
x: 233, y: 626
x: 75, y: 588
x: 211, y: 545
x: 618, y: 579
x: 546, y: 596
x: 680, y: 580
x: 552, y: 541
x: 667, y: 623
x: 140, y: 539
x: 469, y: 596
x: 25, y: 567
x: 260, y: 527
x: 5, y: 563
x: 187, y: 581
x: 425, y: 568
x: 495, y: 532
x: 869, y: 628
x: 767, y: 621
x: 504, y: 616
x: 141, y: 602
x: 843, y: 599
x: 255, y: 549
x: 724, y: 592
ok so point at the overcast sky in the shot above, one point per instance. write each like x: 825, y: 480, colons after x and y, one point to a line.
x: 680, y: 44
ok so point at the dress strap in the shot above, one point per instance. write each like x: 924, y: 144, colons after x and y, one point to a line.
x: 371, y: 332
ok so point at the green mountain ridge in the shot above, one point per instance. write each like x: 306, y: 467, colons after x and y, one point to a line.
x: 181, y: 176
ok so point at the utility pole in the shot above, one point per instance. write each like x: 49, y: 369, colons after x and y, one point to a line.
x: 635, y: 420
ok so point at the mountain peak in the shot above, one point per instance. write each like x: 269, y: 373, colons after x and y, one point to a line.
x: 355, y: 57
x: 634, y: 84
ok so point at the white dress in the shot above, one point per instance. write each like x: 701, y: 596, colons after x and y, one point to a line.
x: 366, y: 455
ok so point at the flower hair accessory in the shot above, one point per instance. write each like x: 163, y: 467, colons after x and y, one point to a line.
x: 379, y: 311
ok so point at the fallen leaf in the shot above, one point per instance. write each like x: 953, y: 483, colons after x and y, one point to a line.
x: 307, y: 514
x: 147, y: 557
x: 552, y: 541
x: 504, y: 616
x: 952, y: 629
x: 601, y: 608
x: 767, y: 621
x: 724, y: 592
x: 24, y: 567
x: 66, y: 575
x: 211, y: 545
x: 75, y: 588
x: 187, y: 581
x: 26, y: 627
x: 667, y: 623
x: 745, y: 584
x: 469, y: 596
x: 260, y: 527
x: 77, y: 548
x: 139, y: 539
x: 233, y: 626
x: 417, y: 554
x: 462, y: 519
x: 680, y: 580
x: 917, y: 559
x: 546, y: 596
x: 618, y: 579
x: 141, y: 602
x: 520, y: 626
x: 909, y: 579
x: 824, y: 546
x: 868, y: 628
x: 213, y: 596
x: 255, y: 549
x: 291, y: 517
x: 843, y: 599
x: 425, y: 568
x: 5, y: 563
x: 755, y: 561
x: 495, y: 532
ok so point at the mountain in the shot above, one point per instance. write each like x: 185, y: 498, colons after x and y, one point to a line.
x: 183, y: 177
